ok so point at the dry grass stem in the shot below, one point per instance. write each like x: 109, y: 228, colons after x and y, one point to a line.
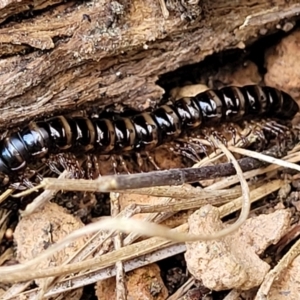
x: 46, y: 195
x: 129, y: 225
x: 275, y: 272
x: 104, y: 265
x: 20, y: 272
x: 292, y: 157
x: 5, y: 195
x: 233, y: 295
x: 121, y: 288
x: 183, y: 289
x: 185, y: 192
x: 266, y: 158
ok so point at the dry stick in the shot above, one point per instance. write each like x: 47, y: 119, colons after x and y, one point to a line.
x: 73, y: 269
x: 15, y: 290
x: 164, y: 9
x: 183, y: 289
x: 291, y: 158
x: 186, y: 191
x: 81, y: 280
x: 101, y: 274
x: 161, y: 178
x: 151, y: 179
x: 5, y: 195
x: 266, y: 158
x: 275, y: 273
x: 43, y: 197
x: 25, y: 272
x: 234, y: 294
x: 130, y: 225
x: 121, y: 288
x: 156, y: 178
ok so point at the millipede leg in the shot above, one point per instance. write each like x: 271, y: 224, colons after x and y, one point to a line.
x: 188, y: 155
x: 150, y: 158
x: 178, y: 150
x: 78, y: 170
x: 28, y: 184
x: 92, y: 167
x: 140, y: 161
x: 190, y: 149
x: 273, y: 128
x: 124, y: 132
x: 123, y: 164
x: 244, y: 138
x: 219, y: 137
x: 114, y: 164
x: 262, y: 139
x: 198, y: 144
x: 212, y: 144
x: 69, y: 163
x: 23, y: 184
x: 232, y: 131
x: 89, y: 167
x: 97, y: 172
x: 53, y: 167
x: 39, y: 177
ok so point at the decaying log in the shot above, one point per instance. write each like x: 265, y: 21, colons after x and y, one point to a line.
x: 102, y: 51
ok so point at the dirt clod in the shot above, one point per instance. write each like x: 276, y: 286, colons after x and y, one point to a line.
x: 233, y: 262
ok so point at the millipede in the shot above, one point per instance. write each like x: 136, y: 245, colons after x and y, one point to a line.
x: 145, y: 130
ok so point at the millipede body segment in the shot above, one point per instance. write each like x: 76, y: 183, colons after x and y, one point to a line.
x: 145, y: 130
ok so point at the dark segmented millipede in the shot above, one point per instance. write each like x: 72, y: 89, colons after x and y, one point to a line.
x: 145, y: 130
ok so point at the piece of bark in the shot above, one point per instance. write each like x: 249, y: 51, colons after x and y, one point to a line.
x: 9, y: 8
x: 112, y: 51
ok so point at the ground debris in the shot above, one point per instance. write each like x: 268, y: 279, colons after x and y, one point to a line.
x: 287, y: 286
x: 280, y: 61
x: 47, y: 226
x: 143, y: 283
x: 114, y: 52
x: 233, y: 262
x: 245, y: 73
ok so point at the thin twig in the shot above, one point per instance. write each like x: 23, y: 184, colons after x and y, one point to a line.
x: 21, y: 272
x: 43, y: 197
x: 121, y: 288
x: 159, y: 178
x: 278, y: 269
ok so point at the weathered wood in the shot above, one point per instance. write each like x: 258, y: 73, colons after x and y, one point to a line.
x: 109, y: 51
